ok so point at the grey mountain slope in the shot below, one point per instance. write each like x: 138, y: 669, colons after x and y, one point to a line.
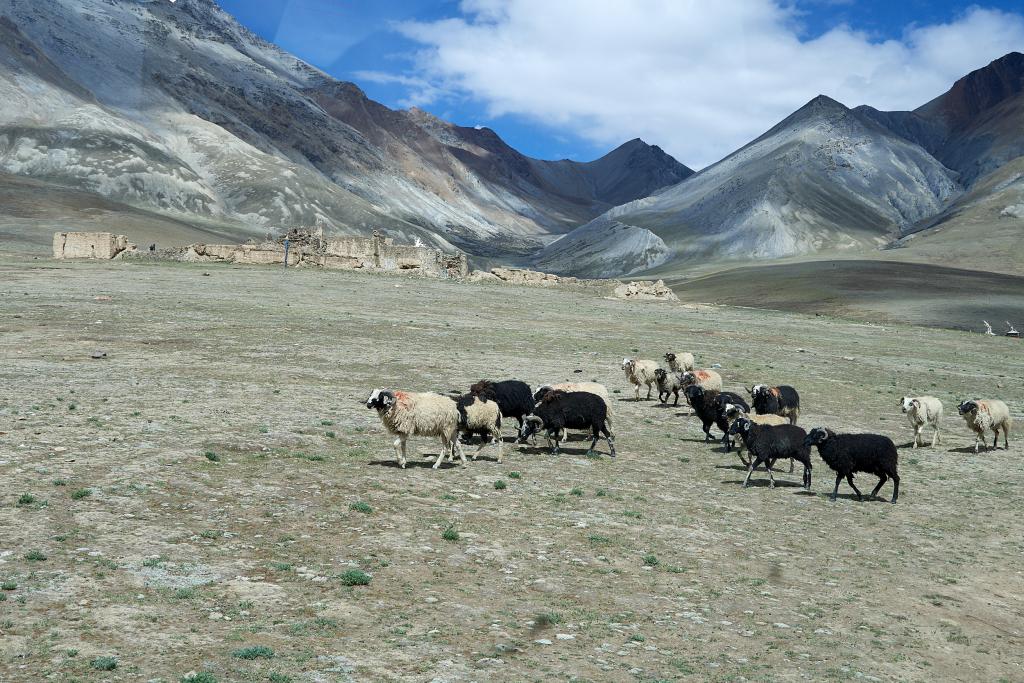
x: 976, y: 126
x: 232, y: 128
x: 823, y: 179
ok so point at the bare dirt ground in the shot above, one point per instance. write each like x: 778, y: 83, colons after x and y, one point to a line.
x: 195, y: 501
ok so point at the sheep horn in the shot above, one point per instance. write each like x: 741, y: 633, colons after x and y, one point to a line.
x: 534, y: 418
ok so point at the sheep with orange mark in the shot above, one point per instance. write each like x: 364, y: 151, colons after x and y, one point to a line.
x: 406, y: 413
x: 708, y: 380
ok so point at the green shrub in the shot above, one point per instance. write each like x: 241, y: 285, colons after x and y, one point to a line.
x: 253, y: 652
x: 355, y: 577
x: 104, y: 663
x: 360, y: 506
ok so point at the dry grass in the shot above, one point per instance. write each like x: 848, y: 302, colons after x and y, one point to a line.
x: 654, y: 566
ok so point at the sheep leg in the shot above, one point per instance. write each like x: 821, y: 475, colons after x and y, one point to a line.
x: 849, y: 480
x: 611, y: 442
x: 917, y: 436
x: 995, y: 441
x: 977, y: 439
x: 935, y: 437
x: 739, y: 452
x: 446, y: 449
x: 400, y: 452
x: 895, y: 487
x: 636, y: 392
x: 882, y: 478
x: 676, y: 402
x: 754, y: 462
x: 791, y: 465
x: 648, y: 392
x: 462, y: 454
x: 807, y: 476
x: 500, y: 443
x: 597, y: 434
x: 835, y: 491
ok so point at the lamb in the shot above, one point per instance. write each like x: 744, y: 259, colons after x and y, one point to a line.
x: 514, y: 398
x: 640, y: 372
x: 406, y: 413
x: 668, y: 383
x: 679, y: 362
x: 850, y: 453
x: 768, y: 443
x: 734, y: 412
x: 709, y: 406
x: 922, y: 411
x: 478, y: 415
x: 781, y: 400
x: 560, y: 411
x: 987, y: 414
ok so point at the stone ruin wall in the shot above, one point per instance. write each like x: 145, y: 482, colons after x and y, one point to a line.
x: 91, y: 245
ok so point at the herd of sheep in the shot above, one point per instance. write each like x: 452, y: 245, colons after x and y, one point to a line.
x: 765, y: 428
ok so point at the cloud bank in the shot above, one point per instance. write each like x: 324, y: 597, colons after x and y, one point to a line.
x: 698, y: 78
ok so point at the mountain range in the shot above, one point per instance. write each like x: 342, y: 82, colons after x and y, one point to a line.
x: 827, y: 181
x: 174, y: 123
x: 176, y: 109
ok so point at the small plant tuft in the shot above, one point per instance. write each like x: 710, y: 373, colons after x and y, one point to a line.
x: 26, y: 499
x: 577, y: 491
x: 360, y: 506
x: 60, y: 482
x: 211, y: 456
x: 79, y: 494
x: 515, y: 475
x: 355, y: 577
x: 35, y: 556
x: 650, y: 561
x: 500, y: 485
x: 8, y: 586
x: 253, y: 652
x: 104, y: 663
x: 450, y: 534
x: 200, y: 677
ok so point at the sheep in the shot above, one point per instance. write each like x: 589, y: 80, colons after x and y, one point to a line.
x: 768, y: 443
x: 560, y: 411
x: 640, y: 372
x: 734, y: 412
x: 668, y: 383
x: 569, y: 387
x: 781, y: 400
x: 709, y: 380
x: 846, y: 454
x: 479, y: 415
x: 709, y: 406
x: 987, y: 414
x: 922, y: 411
x: 514, y: 398
x: 406, y: 413
x: 679, y: 362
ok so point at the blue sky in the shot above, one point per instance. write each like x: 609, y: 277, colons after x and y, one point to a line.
x: 573, y: 78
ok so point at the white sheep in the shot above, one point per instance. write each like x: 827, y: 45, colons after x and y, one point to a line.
x: 479, y: 416
x: 922, y: 411
x: 987, y: 414
x: 640, y: 372
x: 709, y: 380
x: 406, y: 413
x: 679, y: 362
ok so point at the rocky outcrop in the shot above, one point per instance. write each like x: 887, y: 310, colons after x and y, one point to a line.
x: 645, y: 289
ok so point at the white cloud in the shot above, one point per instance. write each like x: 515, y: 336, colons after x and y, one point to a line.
x: 698, y: 78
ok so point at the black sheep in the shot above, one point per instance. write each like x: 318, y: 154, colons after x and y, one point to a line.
x: 709, y: 406
x: 559, y: 411
x: 849, y: 453
x: 513, y: 397
x: 781, y: 400
x: 768, y: 443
